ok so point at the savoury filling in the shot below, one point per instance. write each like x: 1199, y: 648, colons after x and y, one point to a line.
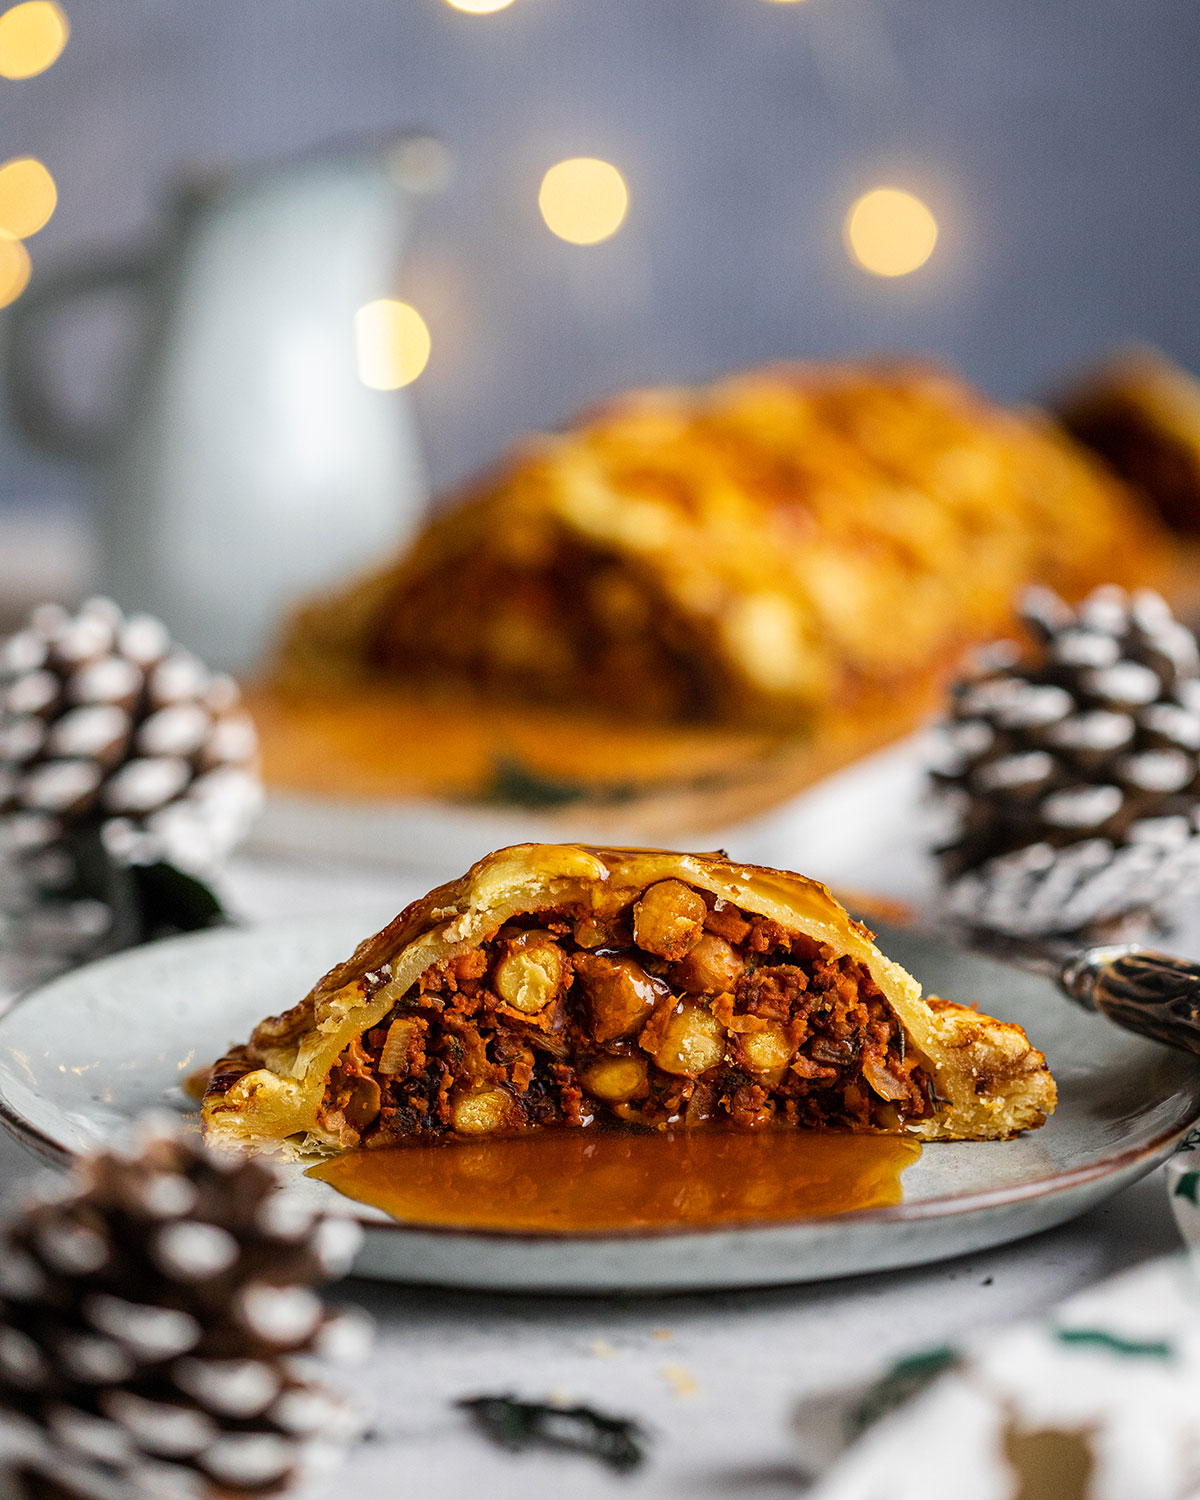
x: 679, y: 1010
x: 578, y: 622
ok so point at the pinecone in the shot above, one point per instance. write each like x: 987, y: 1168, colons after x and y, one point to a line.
x: 104, y: 718
x: 1072, y: 770
x: 111, y: 736
x: 157, y: 1324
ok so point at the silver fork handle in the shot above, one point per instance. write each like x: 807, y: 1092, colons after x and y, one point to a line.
x: 1154, y: 994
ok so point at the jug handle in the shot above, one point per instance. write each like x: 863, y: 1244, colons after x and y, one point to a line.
x: 28, y: 394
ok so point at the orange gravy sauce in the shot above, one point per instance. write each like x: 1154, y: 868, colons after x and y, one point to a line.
x: 586, y: 1181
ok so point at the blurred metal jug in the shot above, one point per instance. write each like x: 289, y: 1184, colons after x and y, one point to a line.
x: 250, y: 462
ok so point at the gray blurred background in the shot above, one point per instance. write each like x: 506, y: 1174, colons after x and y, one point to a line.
x: 1056, y: 141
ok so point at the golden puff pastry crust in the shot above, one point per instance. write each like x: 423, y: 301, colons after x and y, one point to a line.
x: 763, y: 551
x: 561, y: 985
x: 1141, y: 412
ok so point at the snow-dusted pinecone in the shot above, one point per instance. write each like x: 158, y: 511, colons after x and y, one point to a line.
x: 110, y: 734
x: 159, y: 1332
x: 1072, y: 770
x: 104, y: 718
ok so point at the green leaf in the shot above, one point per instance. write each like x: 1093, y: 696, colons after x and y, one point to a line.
x: 906, y: 1379
x: 174, y: 901
x: 515, y: 783
x: 146, y: 901
x: 516, y: 1425
x: 1188, y: 1186
x: 1100, y: 1339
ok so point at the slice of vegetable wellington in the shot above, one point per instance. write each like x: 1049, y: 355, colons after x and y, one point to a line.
x: 556, y: 985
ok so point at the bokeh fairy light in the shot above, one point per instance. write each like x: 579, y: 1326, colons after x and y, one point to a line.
x: 890, y: 232
x: 479, y: 7
x: 32, y: 36
x: 583, y: 200
x: 27, y: 197
x: 14, y: 269
x: 392, y: 344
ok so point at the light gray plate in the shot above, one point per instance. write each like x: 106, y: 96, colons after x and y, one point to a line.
x: 85, y: 1055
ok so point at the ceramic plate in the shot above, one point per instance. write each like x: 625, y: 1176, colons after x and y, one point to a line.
x: 80, y: 1058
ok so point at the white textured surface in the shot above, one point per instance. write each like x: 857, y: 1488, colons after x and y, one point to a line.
x: 1113, y: 1374
x: 715, y: 1376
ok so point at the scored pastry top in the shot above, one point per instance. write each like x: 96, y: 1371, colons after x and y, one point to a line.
x: 556, y: 984
x: 756, y: 551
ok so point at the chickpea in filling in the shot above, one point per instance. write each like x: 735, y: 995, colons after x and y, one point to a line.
x: 680, y: 1009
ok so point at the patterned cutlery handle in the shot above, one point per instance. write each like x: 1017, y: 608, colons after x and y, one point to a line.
x: 1154, y: 994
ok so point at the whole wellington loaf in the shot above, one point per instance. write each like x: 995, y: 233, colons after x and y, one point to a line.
x: 761, y: 551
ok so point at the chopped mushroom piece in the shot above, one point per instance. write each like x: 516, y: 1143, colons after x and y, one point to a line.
x: 618, y: 993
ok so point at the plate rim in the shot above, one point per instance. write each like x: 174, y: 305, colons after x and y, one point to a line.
x: 946, y: 1206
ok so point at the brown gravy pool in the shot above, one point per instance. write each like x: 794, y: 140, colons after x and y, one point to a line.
x: 584, y: 1181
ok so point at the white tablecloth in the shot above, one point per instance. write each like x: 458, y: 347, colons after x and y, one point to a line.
x: 716, y: 1377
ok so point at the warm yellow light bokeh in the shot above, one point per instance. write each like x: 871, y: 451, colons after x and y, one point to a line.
x: 31, y: 38
x: 479, y: 7
x: 890, y: 232
x: 27, y: 197
x: 14, y: 269
x: 392, y: 344
x: 583, y: 200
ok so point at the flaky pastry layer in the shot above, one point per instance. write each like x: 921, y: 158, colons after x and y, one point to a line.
x: 566, y: 985
x: 761, y: 551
